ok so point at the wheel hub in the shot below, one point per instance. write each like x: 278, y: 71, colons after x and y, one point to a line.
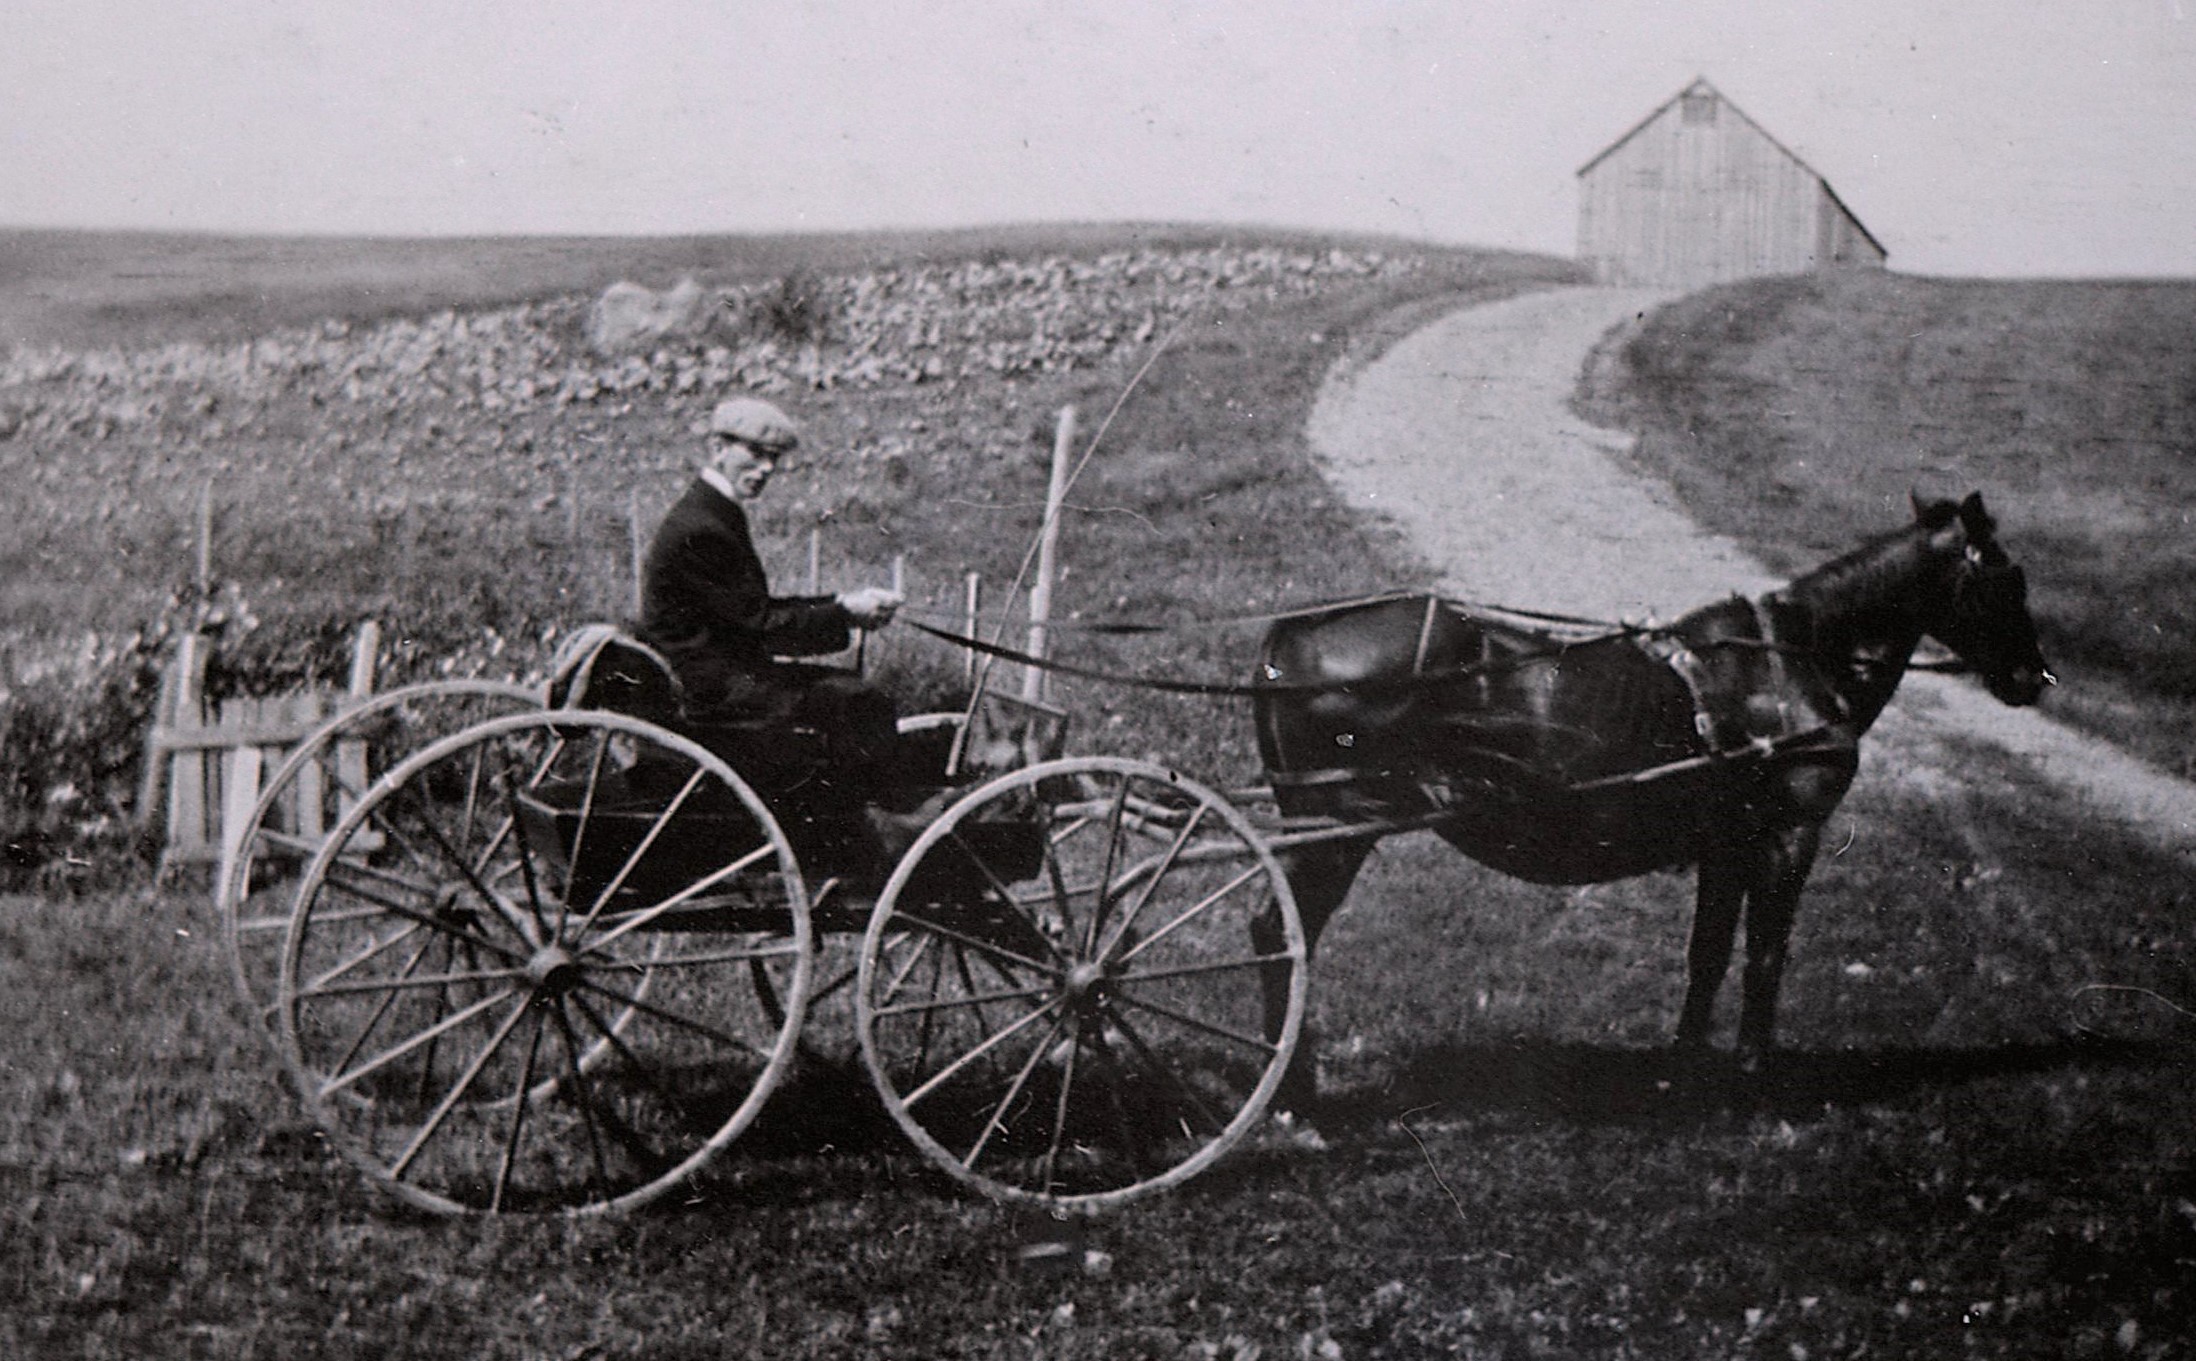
x: 1085, y: 983
x: 552, y: 970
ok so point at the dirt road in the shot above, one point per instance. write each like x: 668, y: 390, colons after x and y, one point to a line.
x: 1463, y: 435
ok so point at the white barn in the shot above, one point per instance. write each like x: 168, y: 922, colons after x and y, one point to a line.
x: 1697, y: 193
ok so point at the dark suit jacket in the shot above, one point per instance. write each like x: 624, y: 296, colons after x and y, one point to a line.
x: 706, y: 605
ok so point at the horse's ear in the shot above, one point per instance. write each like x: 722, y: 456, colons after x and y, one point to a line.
x: 1975, y: 520
x: 1932, y: 515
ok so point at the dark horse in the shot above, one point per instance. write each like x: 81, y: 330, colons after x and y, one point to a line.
x: 1723, y: 740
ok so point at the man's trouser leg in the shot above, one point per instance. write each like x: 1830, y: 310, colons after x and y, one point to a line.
x: 860, y: 727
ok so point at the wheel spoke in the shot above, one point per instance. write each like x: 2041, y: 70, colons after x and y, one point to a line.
x: 442, y: 1027
x: 1210, y: 967
x: 980, y: 945
x: 1105, y: 871
x: 364, y: 956
x: 1060, y: 1107
x: 586, y: 816
x: 520, y: 1096
x: 355, y: 875
x: 1257, y: 1042
x: 1151, y: 885
x: 439, y: 924
x: 583, y: 1097
x: 655, y: 829
x: 393, y: 985
x: 1138, y: 1147
x: 907, y: 968
x: 457, y: 1091
x: 254, y: 926
x: 627, y: 923
x: 1195, y: 910
x: 468, y: 871
x: 670, y: 1017
x: 1004, y: 889
x: 471, y: 805
x: 995, y: 1122
x: 977, y: 1000
x: 359, y: 1036
x: 991, y: 1042
x: 528, y: 879
x: 1158, y: 1064
x: 645, y: 1070
x: 744, y: 954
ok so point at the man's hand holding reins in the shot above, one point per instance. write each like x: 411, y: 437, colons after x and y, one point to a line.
x: 870, y: 607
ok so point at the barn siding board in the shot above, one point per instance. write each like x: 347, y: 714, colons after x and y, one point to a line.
x: 1697, y: 193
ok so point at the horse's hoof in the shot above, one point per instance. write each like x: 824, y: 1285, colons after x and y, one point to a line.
x: 1756, y: 1059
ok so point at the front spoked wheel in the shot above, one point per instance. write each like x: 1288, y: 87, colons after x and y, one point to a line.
x: 1062, y: 1000
x: 519, y: 974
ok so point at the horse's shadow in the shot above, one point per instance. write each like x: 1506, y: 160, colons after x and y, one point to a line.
x: 1595, y: 1084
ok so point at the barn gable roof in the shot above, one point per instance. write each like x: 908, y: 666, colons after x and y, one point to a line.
x: 1700, y: 85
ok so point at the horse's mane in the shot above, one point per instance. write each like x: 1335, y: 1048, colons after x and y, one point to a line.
x: 1878, y: 569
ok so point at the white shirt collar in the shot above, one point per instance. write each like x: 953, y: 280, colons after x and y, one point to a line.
x: 720, y: 482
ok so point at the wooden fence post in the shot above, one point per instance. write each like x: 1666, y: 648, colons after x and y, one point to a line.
x: 351, y: 753
x: 240, y: 771
x: 634, y: 545
x: 971, y: 618
x: 1048, y: 547
x: 187, y: 768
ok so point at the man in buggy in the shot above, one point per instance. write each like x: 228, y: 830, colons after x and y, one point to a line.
x: 706, y: 605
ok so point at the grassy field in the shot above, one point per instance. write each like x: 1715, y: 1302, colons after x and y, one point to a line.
x: 1795, y: 415
x: 1980, y: 1143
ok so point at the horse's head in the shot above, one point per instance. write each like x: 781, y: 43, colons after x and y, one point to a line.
x: 1984, y: 612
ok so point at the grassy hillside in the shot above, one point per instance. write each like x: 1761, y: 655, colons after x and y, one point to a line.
x: 76, y: 288
x: 1796, y: 414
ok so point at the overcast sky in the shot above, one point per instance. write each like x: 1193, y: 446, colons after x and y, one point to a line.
x: 1993, y: 137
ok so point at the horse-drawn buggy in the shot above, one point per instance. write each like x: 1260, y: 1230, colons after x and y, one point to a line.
x: 526, y: 949
x: 557, y: 955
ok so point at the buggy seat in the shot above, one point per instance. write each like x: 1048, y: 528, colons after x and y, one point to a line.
x: 604, y: 666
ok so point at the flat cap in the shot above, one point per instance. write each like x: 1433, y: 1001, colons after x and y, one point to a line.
x: 751, y: 420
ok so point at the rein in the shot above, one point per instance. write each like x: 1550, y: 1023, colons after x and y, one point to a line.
x: 1173, y: 685
x: 1198, y: 623
x: 1230, y: 690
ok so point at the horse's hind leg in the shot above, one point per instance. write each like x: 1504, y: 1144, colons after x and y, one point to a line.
x: 1320, y: 876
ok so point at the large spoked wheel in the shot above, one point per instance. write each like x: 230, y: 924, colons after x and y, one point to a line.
x: 1063, y: 999
x: 327, y: 772
x: 519, y: 974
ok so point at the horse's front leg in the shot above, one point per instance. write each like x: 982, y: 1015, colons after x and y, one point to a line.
x: 1770, y: 910
x: 1725, y: 875
x: 1319, y: 876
